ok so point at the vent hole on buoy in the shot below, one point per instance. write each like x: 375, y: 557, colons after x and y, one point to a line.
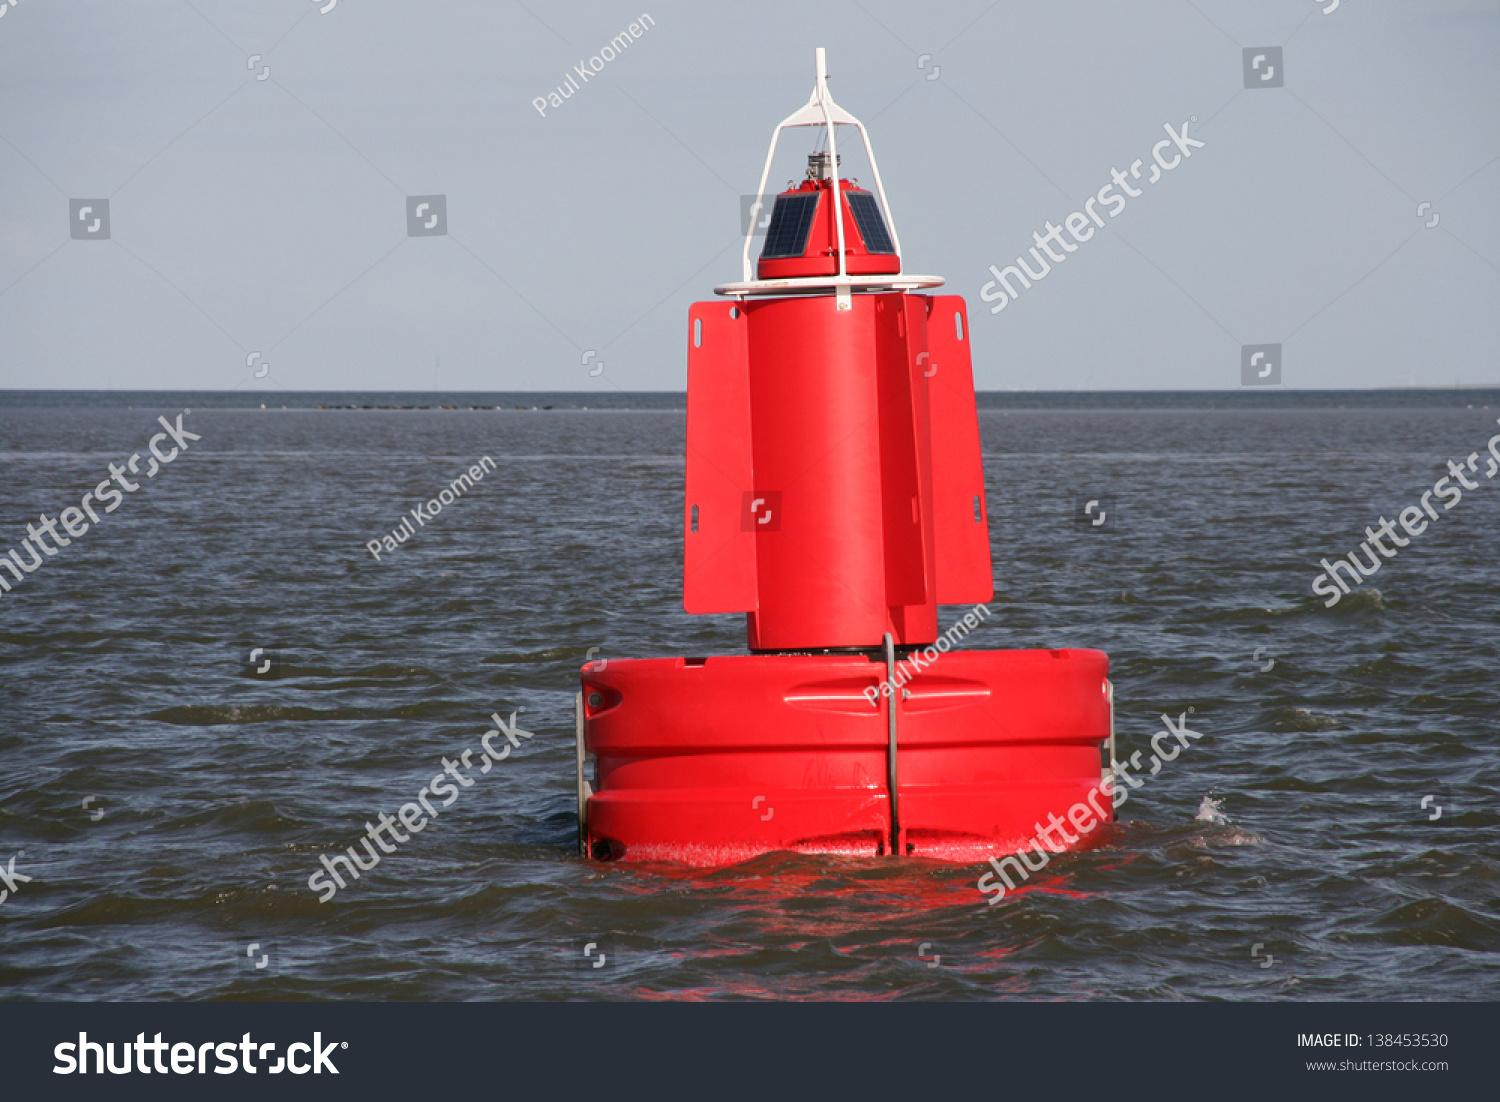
x: 734, y: 311
x: 602, y: 851
x: 697, y: 332
x: 958, y: 324
x: 598, y: 699
x: 977, y: 516
x: 695, y: 518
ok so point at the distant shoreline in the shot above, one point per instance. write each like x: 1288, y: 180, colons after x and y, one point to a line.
x: 1479, y: 397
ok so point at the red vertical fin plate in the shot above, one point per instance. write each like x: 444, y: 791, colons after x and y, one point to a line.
x: 900, y: 458
x: 964, y: 571
x: 718, y: 558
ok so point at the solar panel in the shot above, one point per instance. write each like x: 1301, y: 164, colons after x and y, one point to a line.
x: 871, y: 225
x: 791, y: 219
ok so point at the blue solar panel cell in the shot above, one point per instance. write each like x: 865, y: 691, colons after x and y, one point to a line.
x: 791, y: 219
x: 871, y: 225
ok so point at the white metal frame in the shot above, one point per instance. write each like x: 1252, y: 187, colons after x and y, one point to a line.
x: 1109, y: 693
x: 585, y: 790
x: 820, y: 110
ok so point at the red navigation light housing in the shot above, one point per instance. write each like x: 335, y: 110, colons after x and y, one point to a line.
x: 802, y: 240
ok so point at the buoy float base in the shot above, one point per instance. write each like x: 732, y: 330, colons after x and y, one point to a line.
x: 712, y: 761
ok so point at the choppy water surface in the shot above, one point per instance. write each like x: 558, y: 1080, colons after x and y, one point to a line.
x: 126, y: 683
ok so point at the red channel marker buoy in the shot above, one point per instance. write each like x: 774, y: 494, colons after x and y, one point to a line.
x: 835, y: 496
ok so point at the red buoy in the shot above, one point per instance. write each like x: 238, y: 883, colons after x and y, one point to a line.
x: 835, y: 496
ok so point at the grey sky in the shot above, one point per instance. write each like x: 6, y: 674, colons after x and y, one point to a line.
x: 270, y: 215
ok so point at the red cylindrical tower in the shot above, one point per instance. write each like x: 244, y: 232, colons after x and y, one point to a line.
x: 830, y: 396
